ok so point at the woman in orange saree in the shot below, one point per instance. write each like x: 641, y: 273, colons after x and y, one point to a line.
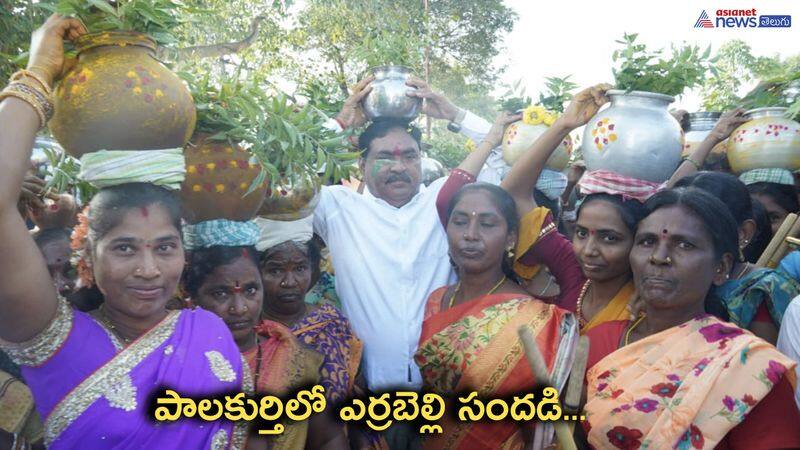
x: 469, y: 338
x: 677, y: 377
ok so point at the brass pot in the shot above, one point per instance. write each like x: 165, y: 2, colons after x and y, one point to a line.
x: 119, y: 97
x: 292, y: 199
x: 218, y: 175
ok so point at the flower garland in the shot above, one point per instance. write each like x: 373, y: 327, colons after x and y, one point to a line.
x: 537, y: 115
x: 79, y: 246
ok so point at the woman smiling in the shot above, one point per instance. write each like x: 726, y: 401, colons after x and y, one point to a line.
x: 103, y: 367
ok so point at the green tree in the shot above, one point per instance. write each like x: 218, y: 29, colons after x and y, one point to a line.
x: 460, y: 39
x: 735, y: 68
x: 18, y: 19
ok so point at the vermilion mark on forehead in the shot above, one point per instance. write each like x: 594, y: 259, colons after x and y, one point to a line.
x: 245, y: 253
x: 145, y: 212
x: 592, y: 232
x: 237, y: 288
x: 397, y: 151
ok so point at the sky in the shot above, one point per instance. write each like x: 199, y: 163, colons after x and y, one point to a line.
x: 562, y: 37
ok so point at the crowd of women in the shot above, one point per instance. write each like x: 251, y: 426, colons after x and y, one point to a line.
x: 681, y: 324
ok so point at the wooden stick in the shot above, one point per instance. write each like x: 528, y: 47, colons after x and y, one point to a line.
x: 539, y: 369
x: 777, y: 240
x: 783, y: 248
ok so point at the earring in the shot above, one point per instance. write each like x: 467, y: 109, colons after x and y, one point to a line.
x: 510, y: 252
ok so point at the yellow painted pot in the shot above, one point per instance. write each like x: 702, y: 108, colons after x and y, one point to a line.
x: 119, y: 97
x: 768, y: 140
x: 519, y: 137
x: 218, y: 175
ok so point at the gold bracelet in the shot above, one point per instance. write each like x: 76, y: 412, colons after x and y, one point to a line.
x: 28, y: 87
x: 30, y: 100
x: 27, y: 73
x: 693, y: 162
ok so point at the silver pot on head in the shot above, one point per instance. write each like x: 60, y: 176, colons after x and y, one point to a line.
x: 388, y: 98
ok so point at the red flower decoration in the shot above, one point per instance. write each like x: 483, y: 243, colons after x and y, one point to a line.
x: 604, y: 375
x: 646, y: 405
x: 717, y: 332
x: 625, y: 438
x: 775, y: 371
x: 749, y: 400
x: 617, y: 393
x: 697, y: 437
x: 664, y: 389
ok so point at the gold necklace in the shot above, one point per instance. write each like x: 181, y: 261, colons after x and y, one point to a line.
x: 491, y: 291
x: 581, y: 320
x: 635, y: 324
x: 111, y: 326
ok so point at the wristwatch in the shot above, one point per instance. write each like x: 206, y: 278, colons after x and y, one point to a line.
x: 455, y: 124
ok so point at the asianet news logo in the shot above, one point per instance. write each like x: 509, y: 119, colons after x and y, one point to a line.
x: 742, y: 18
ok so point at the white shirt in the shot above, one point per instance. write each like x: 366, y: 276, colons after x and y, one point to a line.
x: 789, y: 338
x: 387, y: 262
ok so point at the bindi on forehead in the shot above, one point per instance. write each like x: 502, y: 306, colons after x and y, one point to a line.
x: 237, y: 288
x: 397, y: 151
x: 145, y: 212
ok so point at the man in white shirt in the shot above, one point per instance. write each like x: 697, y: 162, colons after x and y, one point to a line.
x: 388, y: 248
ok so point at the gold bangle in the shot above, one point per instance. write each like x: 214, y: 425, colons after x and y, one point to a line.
x: 45, y: 101
x: 27, y: 73
x: 30, y: 100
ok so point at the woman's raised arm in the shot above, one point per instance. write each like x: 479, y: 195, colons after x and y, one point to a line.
x: 27, y: 294
x: 521, y: 180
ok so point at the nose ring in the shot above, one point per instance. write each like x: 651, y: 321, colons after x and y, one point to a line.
x: 667, y: 260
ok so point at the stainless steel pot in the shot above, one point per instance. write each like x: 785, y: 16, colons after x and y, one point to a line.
x: 696, y: 127
x: 432, y: 170
x: 388, y: 98
x: 636, y: 137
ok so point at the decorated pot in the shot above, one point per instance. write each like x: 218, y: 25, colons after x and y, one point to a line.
x: 119, y: 97
x: 388, y: 97
x: 218, y: 177
x: 519, y: 137
x: 432, y: 170
x: 768, y: 139
x: 293, y: 198
x: 635, y: 137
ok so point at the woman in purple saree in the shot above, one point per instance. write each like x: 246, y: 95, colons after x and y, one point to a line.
x: 93, y: 375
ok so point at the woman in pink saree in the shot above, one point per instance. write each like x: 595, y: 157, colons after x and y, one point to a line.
x: 93, y: 375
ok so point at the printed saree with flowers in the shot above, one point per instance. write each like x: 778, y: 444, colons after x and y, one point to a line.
x: 683, y: 388
x: 475, y: 347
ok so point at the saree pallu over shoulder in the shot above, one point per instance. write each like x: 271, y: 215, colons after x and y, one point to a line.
x: 328, y: 332
x: 475, y: 347
x: 616, y: 309
x: 743, y: 297
x: 685, y: 387
x: 95, y: 396
x: 286, y: 365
